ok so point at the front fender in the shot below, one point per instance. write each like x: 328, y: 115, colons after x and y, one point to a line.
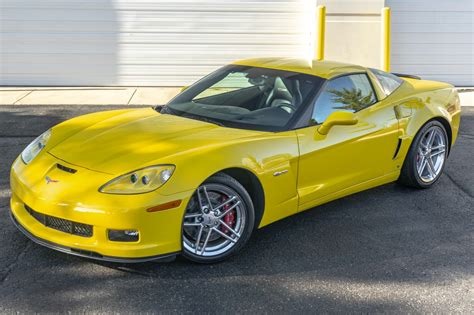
x: 272, y: 158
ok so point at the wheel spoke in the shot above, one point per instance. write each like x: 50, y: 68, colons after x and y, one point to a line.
x: 198, y: 240
x: 229, y: 228
x: 201, y: 205
x: 431, y: 167
x: 230, y: 209
x: 206, y: 241
x: 207, y: 198
x: 193, y: 215
x: 422, y: 165
x: 429, y: 143
x: 191, y: 224
x: 225, y: 235
x: 437, y: 153
x: 226, y: 202
x: 441, y: 146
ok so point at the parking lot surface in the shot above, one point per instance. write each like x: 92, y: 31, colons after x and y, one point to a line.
x: 389, y: 249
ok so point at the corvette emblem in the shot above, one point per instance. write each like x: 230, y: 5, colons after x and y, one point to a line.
x: 50, y: 180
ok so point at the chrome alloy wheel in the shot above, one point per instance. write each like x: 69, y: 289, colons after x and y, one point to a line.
x: 214, y: 220
x: 431, y: 154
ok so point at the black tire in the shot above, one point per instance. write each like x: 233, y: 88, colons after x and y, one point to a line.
x: 409, y: 175
x: 228, y: 183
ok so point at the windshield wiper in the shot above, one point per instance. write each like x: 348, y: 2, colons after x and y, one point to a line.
x: 164, y: 109
x: 159, y: 108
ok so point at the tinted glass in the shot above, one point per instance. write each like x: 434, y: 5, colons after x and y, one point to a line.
x: 388, y: 81
x: 348, y: 93
x: 246, y: 97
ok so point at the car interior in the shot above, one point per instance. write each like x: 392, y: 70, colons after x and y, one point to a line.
x: 255, y: 98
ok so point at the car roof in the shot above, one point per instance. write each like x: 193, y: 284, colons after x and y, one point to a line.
x: 325, y: 69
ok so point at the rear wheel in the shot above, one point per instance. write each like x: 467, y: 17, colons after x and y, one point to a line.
x: 425, y: 161
x: 219, y: 220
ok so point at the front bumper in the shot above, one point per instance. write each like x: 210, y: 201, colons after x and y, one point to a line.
x: 87, y: 253
x: 75, y: 198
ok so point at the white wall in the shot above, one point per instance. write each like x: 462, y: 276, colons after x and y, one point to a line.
x: 353, y: 30
x: 173, y: 43
x: 146, y: 42
x: 434, y: 39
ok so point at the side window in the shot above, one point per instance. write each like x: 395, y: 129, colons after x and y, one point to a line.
x: 388, y: 81
x: 348, y: 93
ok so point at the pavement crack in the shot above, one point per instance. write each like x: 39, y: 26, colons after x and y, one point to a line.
x: 8, y: 270
x: 466, y: 135
x: 464, y: 190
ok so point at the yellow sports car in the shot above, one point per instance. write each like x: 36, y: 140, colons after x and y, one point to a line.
x: 249, y: 144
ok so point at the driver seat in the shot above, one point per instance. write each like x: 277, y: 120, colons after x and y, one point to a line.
x: 280, y: 95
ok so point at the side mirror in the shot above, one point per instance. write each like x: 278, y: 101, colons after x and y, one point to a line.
x: 183, y: 88
x: 337, y: 119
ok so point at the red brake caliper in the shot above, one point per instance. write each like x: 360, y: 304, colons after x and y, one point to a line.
x: 229, y: 218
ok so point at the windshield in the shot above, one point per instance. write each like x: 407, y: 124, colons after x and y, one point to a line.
x: 246, y: 97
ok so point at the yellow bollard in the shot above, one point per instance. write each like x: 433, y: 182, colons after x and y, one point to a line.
x: 321, y: 32
x: 386, y: 39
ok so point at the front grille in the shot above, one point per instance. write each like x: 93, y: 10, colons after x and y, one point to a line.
x: 63, y: 225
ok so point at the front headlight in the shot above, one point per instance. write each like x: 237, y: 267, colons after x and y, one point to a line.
x: 35, y: 147
x: 140, y: 181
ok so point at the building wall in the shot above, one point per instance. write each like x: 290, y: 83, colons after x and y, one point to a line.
x: 145, y: 42
x: 434, y: 39
x: 173, y: 43
x: 353, y: 30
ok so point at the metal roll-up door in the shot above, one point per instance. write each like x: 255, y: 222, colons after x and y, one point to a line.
x: 141, y: 43
x: 434, y: 39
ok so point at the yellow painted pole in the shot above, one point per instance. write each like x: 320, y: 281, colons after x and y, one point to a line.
x: 321, y: 31
x: 386, y: 39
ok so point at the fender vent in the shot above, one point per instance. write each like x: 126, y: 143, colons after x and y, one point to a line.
x: 66, y: 169
x: 399, y: 144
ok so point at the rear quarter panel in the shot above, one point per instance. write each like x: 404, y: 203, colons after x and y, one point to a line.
x: 420, y: 101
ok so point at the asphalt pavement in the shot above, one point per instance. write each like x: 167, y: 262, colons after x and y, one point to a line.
x: 389, y: 249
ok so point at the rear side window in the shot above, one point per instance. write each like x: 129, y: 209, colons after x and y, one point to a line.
x: 388, y: 81
x: 348, y: 93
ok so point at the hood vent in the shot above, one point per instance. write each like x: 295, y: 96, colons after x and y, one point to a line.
x: 66, y: 169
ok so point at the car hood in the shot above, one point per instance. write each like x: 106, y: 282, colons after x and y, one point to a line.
x: 121, y: 141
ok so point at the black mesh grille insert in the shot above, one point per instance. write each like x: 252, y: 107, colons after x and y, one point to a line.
x: 62, y: 225
x: 66, y: 169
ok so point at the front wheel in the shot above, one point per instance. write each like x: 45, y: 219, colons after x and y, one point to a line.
x: 219, y: 220
x: 426, y: 158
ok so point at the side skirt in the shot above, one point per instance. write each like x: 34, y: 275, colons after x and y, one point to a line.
x: 385, y: 179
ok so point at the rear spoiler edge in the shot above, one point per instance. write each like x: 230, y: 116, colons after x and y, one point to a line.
x: 401, y: 75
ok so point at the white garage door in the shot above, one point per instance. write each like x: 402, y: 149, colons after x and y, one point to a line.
x: 434, y: 39
x: 147, y: 42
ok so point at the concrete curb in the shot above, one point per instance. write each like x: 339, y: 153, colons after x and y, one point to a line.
x: 86, y: 95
